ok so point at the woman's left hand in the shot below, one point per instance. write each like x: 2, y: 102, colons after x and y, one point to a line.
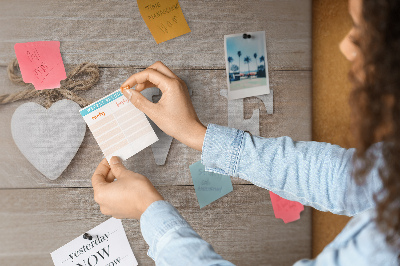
x: 128, y: 196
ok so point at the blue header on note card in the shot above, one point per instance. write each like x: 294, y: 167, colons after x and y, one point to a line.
x: 100, y: 103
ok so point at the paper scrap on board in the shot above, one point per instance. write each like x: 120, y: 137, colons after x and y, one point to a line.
x: 209, y: 186
x: 164, y: 18
x: 41, y: 63
x: 284, y: 209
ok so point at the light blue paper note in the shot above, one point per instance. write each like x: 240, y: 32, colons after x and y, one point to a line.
x: 209, y: 186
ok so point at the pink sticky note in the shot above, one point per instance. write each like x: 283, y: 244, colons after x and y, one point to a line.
x: 41, y: 63
x: 284, y: 209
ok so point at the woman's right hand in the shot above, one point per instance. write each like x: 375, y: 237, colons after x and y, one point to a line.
x: 174, y: 113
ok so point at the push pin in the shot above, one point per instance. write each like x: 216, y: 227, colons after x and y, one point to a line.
x: 128, y: 91
x: 127, y: 87
x: 246, y: 36
x: 87, y: 236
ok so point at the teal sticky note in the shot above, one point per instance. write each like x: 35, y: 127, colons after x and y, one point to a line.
x: 209, y: 186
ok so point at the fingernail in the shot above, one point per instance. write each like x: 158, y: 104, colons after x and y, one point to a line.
x: 127, y: 87
x: 115, y: 160
x: 129, y: 92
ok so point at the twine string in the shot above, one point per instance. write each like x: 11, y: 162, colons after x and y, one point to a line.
x: 81, y: 78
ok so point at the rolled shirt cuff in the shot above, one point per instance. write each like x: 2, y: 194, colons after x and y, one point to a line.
x: 222, y: 148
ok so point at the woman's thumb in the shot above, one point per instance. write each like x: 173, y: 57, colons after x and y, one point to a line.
x: 117, y: 167
x: 138, y: 100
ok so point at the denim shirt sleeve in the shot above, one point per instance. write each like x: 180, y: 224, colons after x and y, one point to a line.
x: 312, y: 173
x: 172, y: 241
x: 360, y: 243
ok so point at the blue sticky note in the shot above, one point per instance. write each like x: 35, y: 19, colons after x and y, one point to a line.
x: 209, y: 186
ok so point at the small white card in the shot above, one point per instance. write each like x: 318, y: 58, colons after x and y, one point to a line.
x: 118, y: 126
x: 108, y: 247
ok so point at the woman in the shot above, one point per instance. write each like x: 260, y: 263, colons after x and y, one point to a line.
x: 316, y: 174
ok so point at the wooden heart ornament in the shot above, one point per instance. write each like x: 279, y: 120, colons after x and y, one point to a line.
x: 48, y: 138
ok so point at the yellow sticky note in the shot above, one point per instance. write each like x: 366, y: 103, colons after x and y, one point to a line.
x: 164, y: 18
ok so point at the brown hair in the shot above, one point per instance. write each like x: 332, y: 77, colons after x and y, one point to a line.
x: 375, y: 102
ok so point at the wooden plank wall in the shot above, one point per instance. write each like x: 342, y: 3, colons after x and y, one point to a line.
x: 112, y: 34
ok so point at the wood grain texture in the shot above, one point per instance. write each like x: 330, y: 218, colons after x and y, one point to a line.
x: 292, y: 97
x: 240, y: 226
x: 112, y: 33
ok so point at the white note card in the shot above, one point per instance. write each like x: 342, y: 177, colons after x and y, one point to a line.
x: 118, y: 126
x: 108, y: 247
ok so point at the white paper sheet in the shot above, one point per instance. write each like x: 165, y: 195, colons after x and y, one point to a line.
x: 108, y: 247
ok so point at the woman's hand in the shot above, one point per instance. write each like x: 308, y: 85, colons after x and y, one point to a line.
x: 128, y: 196
x: 174, y: 113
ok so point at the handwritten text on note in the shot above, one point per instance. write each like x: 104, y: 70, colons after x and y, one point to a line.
x: 209, y: 186
x: 164, y: 18
x: 41, y: 63
x: 284, y: 209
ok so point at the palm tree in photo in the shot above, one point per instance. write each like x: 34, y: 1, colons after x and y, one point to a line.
x: 255, y: 58
x: 247, y: 60
x: 234, y: 68
x: 261, y: 68
x: 230, y: 60
x: 262, y: 59
x: 239, y: 55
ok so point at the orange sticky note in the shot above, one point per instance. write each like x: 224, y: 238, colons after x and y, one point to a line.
x: 41, y: 63
x: 164, y: 18
x: 284, y: 209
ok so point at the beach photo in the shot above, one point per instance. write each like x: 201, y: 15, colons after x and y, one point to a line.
x: 246, y: 64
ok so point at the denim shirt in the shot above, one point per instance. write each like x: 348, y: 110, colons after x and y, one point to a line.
x: 312, y: 173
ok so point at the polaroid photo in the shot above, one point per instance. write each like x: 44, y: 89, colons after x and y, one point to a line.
x: 246, y: 64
